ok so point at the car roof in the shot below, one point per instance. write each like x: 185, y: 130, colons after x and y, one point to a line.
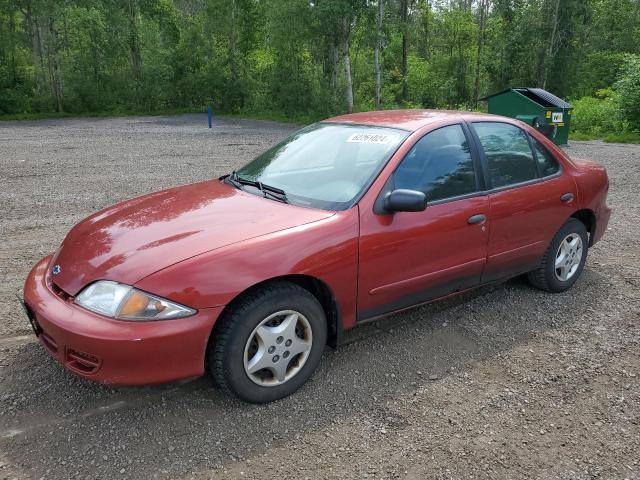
x: 407, y: 119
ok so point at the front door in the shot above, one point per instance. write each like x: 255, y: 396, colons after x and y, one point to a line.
x: 409, y: 258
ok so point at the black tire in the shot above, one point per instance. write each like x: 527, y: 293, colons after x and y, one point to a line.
x: 227, y: 349
x: 545, y: 277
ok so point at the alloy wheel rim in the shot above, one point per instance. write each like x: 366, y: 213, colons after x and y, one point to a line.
x: 278, y: 348
x: 568, y: 257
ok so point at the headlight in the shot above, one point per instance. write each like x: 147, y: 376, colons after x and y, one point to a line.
x: 127, y: 303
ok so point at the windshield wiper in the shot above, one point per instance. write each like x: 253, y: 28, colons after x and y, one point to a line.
x: 267, y: 190
x: 231, y: 180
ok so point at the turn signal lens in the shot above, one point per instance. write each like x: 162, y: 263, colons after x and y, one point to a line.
x: 144, y: 306
x: 135, y: 304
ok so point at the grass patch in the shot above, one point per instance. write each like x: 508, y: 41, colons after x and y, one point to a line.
x: 584, y: 136
x: 626, y: 137
x: 273, y: 116
x: 623, y: 138
x: 113, y: 113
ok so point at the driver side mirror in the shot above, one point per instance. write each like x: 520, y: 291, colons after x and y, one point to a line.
x: 402, y: 200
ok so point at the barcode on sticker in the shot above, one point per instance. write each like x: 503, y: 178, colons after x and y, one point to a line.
x: 370, y: 138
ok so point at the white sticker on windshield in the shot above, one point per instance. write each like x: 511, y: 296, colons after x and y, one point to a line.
x: 380, y: 138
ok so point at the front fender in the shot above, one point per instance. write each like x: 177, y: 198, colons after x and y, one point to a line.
x: 326, y: 249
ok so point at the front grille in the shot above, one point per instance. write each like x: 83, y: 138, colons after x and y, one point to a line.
x: 59, y: 292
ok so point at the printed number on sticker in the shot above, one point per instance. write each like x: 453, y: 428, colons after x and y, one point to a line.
x: 369, y: 138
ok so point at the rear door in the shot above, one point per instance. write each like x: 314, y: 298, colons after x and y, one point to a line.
x: 530, y: 197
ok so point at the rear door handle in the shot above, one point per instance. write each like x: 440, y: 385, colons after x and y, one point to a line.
x: 478, y: 218
x: 567, y: 197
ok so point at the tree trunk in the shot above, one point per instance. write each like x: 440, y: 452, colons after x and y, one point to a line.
x: 12, y: 45
x: 376, y: 53
x: 335, y: 65
x: 551, y: 45
x: 424, y: 45
x: 404, y: 16
x: 134, y: 46
x: 483, y: 5
x: 233, y: 44
x: 346, y: 34
x: 33, y: 28
x: 53, y: 62
x: 236, y: 94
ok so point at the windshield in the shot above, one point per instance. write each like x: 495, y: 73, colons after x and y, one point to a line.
x: 325, y: 165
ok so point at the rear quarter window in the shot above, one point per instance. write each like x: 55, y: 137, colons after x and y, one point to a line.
x: 546, y: 161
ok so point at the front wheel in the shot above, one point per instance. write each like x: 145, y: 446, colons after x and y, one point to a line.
x: 564, y: 260
x: 269, y: 343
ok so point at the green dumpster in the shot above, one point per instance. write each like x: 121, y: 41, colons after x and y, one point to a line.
x: 536, y: 107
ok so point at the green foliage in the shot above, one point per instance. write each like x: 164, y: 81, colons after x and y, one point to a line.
x: 628, y: 88
x: 613, y: 113
x: 598, y: 70
x: 598, y: 116
x: 288, y: 58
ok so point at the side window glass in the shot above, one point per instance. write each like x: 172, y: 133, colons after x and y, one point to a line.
x: 508, y: 153
x: 547, y: 162
x: 439, y: 164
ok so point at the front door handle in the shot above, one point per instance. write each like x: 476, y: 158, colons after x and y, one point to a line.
x: 478, y: 218
x: 567, y: 197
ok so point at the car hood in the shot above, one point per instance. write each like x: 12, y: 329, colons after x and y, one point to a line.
x: 138, y: 237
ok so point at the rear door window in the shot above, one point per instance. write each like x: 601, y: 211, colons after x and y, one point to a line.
x: 509, y: 156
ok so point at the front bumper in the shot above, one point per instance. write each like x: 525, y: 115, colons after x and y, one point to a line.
x: 114, y: 351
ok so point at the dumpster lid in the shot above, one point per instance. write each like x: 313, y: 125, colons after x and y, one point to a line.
x: 538, y: 95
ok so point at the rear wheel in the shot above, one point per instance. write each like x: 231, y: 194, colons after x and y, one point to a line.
x: 269, y: 343
x: 564, y: 260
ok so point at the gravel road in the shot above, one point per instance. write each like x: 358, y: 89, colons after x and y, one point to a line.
x: 504, y: 382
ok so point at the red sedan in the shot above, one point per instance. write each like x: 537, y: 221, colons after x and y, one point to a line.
x: 249, y: 276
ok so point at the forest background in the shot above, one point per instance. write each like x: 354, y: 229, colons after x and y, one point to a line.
x: 302, y: 60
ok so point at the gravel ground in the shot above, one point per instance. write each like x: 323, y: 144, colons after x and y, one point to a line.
x: 504, y: 382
